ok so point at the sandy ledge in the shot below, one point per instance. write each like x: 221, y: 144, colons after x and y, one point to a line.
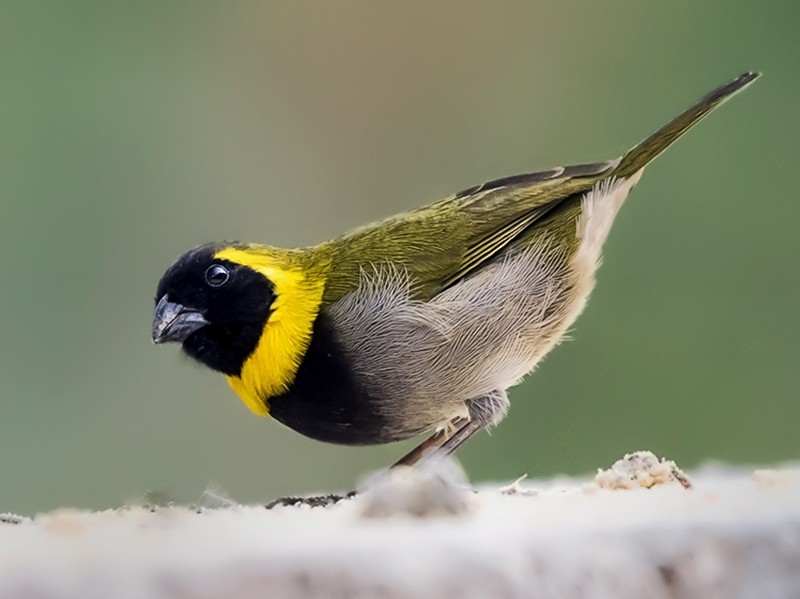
x: 636, y: 530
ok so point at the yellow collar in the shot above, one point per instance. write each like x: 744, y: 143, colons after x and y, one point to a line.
x: 271, y: 368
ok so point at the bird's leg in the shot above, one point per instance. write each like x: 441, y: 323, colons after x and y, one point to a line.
x: 454, y: 441
x: 484, y: 411
x: 430, y: 444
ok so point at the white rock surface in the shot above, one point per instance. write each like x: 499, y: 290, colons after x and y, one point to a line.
x: 733, y: 534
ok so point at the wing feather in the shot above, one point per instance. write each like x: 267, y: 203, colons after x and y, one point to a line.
x: 444, y: 242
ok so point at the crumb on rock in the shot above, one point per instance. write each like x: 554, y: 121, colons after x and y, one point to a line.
x: 641, y: 469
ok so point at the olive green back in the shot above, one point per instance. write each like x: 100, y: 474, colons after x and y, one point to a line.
x: 445, y: 241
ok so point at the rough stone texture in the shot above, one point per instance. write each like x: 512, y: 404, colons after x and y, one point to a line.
x: 733, y: 534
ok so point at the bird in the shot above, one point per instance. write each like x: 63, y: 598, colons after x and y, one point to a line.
x: 419, y: 323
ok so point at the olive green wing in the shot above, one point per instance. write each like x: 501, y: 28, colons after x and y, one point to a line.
x: 439, y: 244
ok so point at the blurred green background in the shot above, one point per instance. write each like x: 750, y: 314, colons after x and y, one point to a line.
x: 132, y: 131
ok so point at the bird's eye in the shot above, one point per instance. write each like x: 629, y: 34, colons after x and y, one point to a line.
x: 217, y: 275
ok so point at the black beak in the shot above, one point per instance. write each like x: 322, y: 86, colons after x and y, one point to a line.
x: 174, y: 322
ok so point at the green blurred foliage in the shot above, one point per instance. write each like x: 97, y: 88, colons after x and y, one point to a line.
x: 132, y: 131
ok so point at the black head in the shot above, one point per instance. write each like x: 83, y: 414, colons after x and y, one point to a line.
x: 217, y: 309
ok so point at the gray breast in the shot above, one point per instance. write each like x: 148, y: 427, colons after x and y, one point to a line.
x: 422, y: 360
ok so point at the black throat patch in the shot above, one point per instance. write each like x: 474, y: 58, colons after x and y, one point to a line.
x: 325, y: 401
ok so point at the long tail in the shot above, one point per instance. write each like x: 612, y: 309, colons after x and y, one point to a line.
x: 641, y: 154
